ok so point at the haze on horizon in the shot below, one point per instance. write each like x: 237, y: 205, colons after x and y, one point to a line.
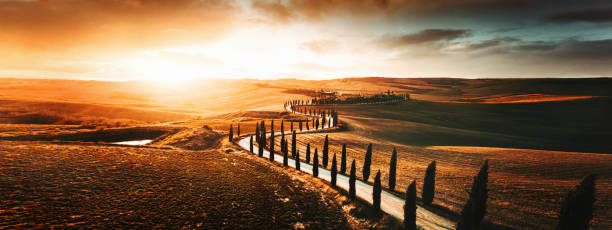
x: 307, y: 39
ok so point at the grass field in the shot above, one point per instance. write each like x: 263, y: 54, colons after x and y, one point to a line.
x: 89, y: 186
x: 526, y: 186
x: 537, y: 151
x: 576, y: 126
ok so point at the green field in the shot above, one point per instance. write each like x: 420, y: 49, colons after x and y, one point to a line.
x: 576, y: 126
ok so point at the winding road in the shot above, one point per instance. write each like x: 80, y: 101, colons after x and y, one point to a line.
x: 390, y: 203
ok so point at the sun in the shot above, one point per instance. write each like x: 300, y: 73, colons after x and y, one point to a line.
x: 156, y: 69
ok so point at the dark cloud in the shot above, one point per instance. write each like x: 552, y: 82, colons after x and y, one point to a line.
x: 537, y: 46
x: 423, y: 37
x: 569, y: 49
x: 583, y: 50
x: 322, y: 9
x: 592, y: 15
x: 490, y: 43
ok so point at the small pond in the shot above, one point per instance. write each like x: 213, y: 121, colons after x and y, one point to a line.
x: 136, y: 142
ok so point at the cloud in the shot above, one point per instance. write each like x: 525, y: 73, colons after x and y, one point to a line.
x: 599, y: 50
x: 111, y: 24
x: 480, y: 45
x: 320, y: 46
x: 274, y: 10
x: 423, y: 37
x: 564, y: 50
x: 591, y: 15
x: 316, y: 10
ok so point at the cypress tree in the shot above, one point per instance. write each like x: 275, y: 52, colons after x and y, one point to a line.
x: 282, y: 143
x: 307, y: 126
x: 300, y: 124
x: 260, y: 149
x: 467, y: 217
x: 272, y: 144
x: 367, y: 162
x: 285, y: 158
x: 334, y: 171
x: 291, y: 125
x: 231, y: 133
x: 316, y: 123
x: 257, y: 135
x: 475, y: 208
x: 238, y: 130
x: 343, y: 160
x: 315, y: 164
x: 392, y: 170
x: 410, y: 207
x: 577, y: 209
x: 293, y: 144
x: 335, y: 119
x: 325, y: 151
x: 287, y: 146
x: 352, y: 180
x: 282, y: 128
x: 376, y: 191
x: 429, y: 184
x: 480, y: 197
x: 251, y: 144
x: 297, y: 160
x: 263, y: 134
x: 308, y: 153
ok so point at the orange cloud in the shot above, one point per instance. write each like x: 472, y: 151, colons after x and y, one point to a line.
x: 111, y: 24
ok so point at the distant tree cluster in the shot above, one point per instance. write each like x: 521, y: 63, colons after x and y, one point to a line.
x: 383, y: 97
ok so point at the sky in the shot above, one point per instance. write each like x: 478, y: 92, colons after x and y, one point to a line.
x: 172, y: 40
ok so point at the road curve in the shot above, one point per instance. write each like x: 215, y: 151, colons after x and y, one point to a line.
x: 390, y: 203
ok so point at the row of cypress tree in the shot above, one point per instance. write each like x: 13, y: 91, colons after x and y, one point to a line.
x: 576, y: 211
